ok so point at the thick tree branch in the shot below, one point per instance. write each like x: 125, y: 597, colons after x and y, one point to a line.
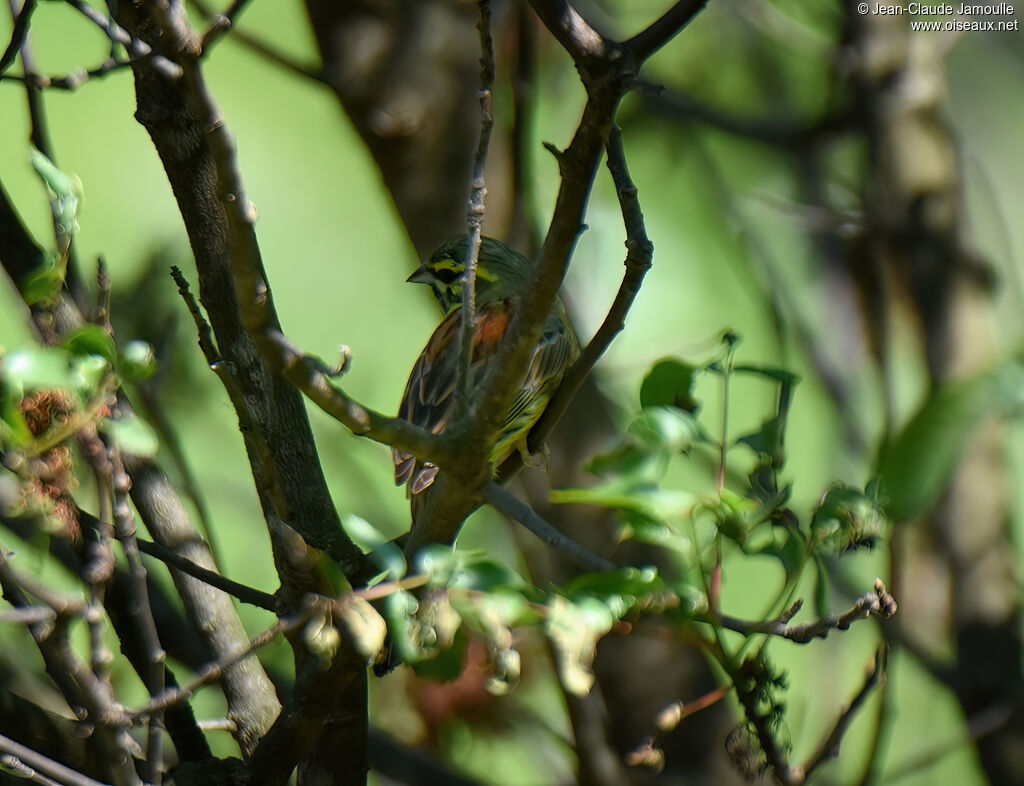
x: 198, y: 153
x: 252, y: 701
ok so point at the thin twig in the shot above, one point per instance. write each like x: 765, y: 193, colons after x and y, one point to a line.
x: 38, y: 761
x: 213, y: 671
x: 244, y: 593
x: 153, y: 676
x: 639, y: 255
x: 502, y: 501
x: 221, y: 23
x: 879, y: 603
x: 648, y: 752
x: 830, y: 748
x: 266, y: 51
x: 475, y: 210
x: 80, y: 686
x: 136, y: 47
x: 28, y: 615
x: 19, y: 34
x: 75, y: 80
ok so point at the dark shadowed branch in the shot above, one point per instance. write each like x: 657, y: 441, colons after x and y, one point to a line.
x: 502, y: 501
x: 244, y: 593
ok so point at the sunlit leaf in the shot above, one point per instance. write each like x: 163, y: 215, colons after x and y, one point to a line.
x: 399, y: 608
x: 87, y: 373
x: 664, y: 428
x: 137, y: 361
x: 654, y: 501
x: 573, y: 630
x: 65, y: 193
x: 91, y: 340
x: 37, y: 368
x: 132, y: 435
x: 385, y: 554
x: 620, y: 591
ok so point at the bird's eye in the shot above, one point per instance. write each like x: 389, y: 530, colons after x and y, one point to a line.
x: 446, y: 274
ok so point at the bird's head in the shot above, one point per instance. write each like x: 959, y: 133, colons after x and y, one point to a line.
x: 500, y: 271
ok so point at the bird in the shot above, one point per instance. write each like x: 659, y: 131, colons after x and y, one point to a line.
x: 502, y: 274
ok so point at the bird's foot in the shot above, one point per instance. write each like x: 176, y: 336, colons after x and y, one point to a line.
x: 538, y: 460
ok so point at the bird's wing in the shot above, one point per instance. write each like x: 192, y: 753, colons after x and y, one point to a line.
x: 429, y: 400
x: 558, y: 349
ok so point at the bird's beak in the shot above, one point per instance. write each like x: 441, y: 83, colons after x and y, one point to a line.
x: 419, y: 276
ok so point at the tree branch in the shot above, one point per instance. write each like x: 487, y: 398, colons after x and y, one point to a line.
x: 879, y: 603
x: 661, y: 31
x: 53, y: 769
x: 244, y: 593
x: 475, y: 210
x: 830, y: 747
x: 19, y: 33
x: 502, y: 501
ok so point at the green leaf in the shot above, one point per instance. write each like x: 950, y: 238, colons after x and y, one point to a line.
x: 384, y: 554
x: 399, y: 609
x: 790, y: 550
x: 486, y: 575
x: 918, y: 464
x: 650, y: 441
x: 137, y: 362
x: 640, y: 528
x: 65, y: 194
x: 670, y: 383
x: 38, y: 368
x: 664, y: 429
x: 620, y: 591
x: 661, y: 504
x: 845, y: 519
x: 446, y: 664
x: 88, y: 373
x: 91, y: 340
x: 132, y: 435
x: 43, y: 283
x: 769, y: 440
x: 573, y: 630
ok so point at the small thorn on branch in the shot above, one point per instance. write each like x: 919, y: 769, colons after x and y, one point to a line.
x: 344, y: 363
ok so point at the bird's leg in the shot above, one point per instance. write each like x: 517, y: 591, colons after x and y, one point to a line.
x: 538, y: 460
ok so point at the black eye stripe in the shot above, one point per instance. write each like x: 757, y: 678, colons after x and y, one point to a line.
x: 446, y: 275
